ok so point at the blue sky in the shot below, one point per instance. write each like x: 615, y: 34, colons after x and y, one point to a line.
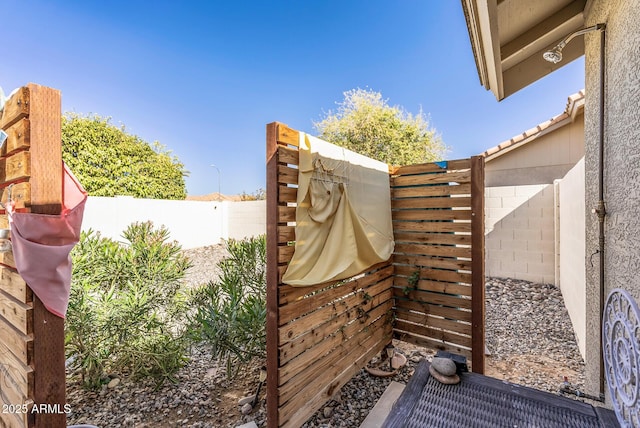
x: 205, y: 77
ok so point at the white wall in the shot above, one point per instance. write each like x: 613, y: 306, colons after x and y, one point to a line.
x: 572, y: 250
x: 519, y: 232
x: 192, y: 223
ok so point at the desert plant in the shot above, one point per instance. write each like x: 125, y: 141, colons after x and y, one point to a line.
x: 126, y: 307
x: 231, y: 319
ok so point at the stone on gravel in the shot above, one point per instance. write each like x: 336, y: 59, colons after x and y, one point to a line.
x: 447, y: 380
x: 444, y: 366
x: 113, y: 383
x: 244, y: 400
x: 246, y: 409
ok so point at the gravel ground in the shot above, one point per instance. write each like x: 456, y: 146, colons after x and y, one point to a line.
x: 528, y: 334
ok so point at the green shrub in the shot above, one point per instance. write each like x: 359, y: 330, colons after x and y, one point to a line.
x: 232, y: 313
x: 126, y: 311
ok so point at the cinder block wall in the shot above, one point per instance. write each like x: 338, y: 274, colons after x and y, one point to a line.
x: 520, y: 232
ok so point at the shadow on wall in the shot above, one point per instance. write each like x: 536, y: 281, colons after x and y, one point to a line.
x: 520, y: 233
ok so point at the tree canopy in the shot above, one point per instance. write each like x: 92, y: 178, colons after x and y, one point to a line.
x: 366, y: 124
x: 108, y: 162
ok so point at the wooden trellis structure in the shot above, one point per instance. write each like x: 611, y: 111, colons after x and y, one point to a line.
x: 430, y: 292
x: 32, y: 366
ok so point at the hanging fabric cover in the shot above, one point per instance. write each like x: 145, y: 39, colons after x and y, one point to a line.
x: 343, y: 214
x: 42, y: 243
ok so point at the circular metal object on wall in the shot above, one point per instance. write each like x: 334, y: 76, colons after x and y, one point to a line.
x: 621, y: 350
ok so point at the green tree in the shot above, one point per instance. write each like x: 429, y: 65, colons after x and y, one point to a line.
x: 109, y: 162
x: 366, y: 124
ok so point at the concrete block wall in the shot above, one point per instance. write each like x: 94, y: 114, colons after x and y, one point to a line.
x: 520, y: 232
x: 192, y: 223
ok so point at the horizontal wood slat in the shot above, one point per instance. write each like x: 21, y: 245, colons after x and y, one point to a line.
x: 433, y: 238
x: 16, y: 108
x: 432, y: 214
x: 430, y: 191
x: 288, y: 156
x: 434, y: 322
x: 15, y: 167
x: 427, y: 308
x: 431, y: 226
x: 430, y: 343
x: 18, y: 137
x: 433, y: 178
x: 20, y: 195
x: 20, y: 344
x: 436, y: 202
x: 452, y: 165
x: 16, y: 313
x: 286, y: 135
x: 12, y: 283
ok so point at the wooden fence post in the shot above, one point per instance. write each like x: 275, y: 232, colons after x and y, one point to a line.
x: 477, y: 269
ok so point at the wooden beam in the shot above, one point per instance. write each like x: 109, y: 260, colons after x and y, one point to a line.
x: 477, y: 259
x: 272, y: 276
x: 46, y: 198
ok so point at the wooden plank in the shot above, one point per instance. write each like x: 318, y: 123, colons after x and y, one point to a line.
x: 287, y: 194
x: 432, y: 214
x: 6, y: 258
x: 477, y: 271
x: 431, y: 226
x: 432, y: 262
x: 20, y: 195
x: 15, y: 374
x: 288, y: 155
x: 16, y: 108
x: 15, y: 167
x: 352, y: 305
x: 297, y: 308
x: 18, y: 137
x: 433, y: 178
x: 432, y: 238
x: 437, y: 202
x: 433, y: 334
x: 11, y: 419
x: 435, y: 322
x: 295, y: 373
x: 435, y: 274
x: 286, y: 135
x: 285, y: 253
x: 306, y: 342
x: 20, y: 344
x: 436, y: 310
x: 272, y: 275
x: 289, y: 294
x: 12, y: 283
x: 4, y: 221
x: 433, y: 250
x: 287, y: 175
x: 434, y: 286
x: 286, y: 214
x: 16, y: 313
x: 452, y: 165
x: 453, y: 301
x: 46, y: 198
x: 297, y: 410
x: 286, y: 234
x: 430, y: 191
x: 432, y: 344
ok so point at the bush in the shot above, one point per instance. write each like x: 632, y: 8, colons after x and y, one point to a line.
x: 127, y: 307
x: 232, y: 313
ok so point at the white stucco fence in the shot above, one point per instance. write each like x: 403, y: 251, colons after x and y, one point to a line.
x: 573, y: 249
x: 192, y: 223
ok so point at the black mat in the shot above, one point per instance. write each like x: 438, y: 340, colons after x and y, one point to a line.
x: 481, y: 401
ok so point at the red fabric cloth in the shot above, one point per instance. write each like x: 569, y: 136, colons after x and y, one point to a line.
x: 42, y: 243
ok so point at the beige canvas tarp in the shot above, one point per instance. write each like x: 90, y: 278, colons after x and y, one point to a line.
x: 343, y: 214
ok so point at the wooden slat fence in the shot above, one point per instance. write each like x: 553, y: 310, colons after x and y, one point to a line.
x: 318, y: 337
x: 430, y: 293
x: 438, y: 221
x: 32, y: 371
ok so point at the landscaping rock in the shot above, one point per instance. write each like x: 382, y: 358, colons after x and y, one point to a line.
x: 113, y: 383
x: 444, y: 366
x: 447, y: 380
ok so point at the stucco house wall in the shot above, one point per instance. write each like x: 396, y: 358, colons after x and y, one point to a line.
x: 621, y: 161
